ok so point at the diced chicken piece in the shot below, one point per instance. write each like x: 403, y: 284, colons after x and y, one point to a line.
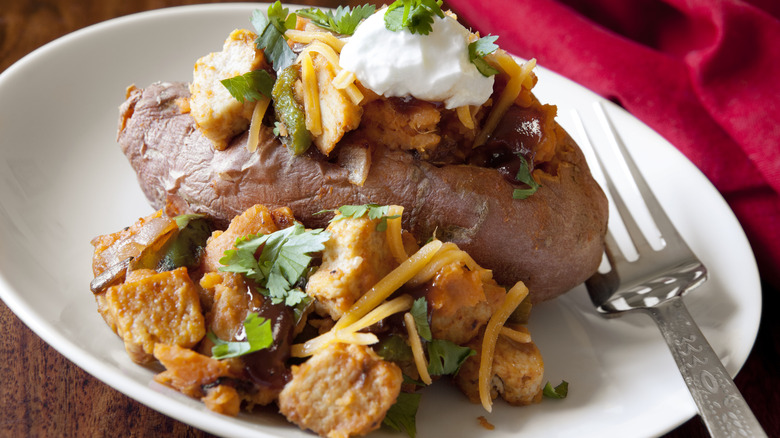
x: 218, y: 114
x: 342, y: 391
x: 220, y: 384
x: 231, y: 302
x: 518, y: 372
x: 255, y: 220
x: 461, y: 304
x: 188, y: 371
x: 339, y: 114
x: 151, y: 308
x: 283, y: 217
x: 355, y: 258
x: 223, y: 399
x: 398, y: 124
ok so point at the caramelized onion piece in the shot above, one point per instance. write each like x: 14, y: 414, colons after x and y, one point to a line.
x: 357, y: 160
x: 115, y: 274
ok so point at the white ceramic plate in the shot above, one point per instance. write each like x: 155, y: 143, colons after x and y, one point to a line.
x: 64, y: 180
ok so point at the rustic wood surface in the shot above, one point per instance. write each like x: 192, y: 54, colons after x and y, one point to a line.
x: 43, y: 394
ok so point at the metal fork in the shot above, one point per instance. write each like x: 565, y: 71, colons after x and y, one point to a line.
x: 654, y: 284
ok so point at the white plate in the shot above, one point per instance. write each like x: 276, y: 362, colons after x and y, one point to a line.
x: 64, y: 180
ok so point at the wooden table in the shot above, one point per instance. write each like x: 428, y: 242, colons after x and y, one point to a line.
x: 44, y: 394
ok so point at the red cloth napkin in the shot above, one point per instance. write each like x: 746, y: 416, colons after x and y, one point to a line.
x: 705, y: 74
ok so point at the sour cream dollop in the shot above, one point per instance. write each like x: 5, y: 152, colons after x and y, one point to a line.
x: 433, y: 67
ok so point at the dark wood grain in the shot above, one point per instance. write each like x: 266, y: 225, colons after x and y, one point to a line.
x: 44, y: 394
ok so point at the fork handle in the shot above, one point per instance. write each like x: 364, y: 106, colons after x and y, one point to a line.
x: 721, y: 406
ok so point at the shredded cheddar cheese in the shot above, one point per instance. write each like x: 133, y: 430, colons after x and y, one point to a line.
x: 513, y: 298
x: 389, y: 284
x: 449, y: 254
x: 343, y: 79
x: 393, y: 234
x: 324, y: 50
x: 306, y: 37
x: 311, y: 95
x: 417, y: 351
x: 257, y: 121
x: 352, y: 91
x: 349, y: 334
x: 465, y: 117
x: 522, y: 337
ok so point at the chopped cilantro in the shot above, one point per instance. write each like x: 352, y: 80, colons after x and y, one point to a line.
x: 401, y: 415
x: 258, y: 337
x: 560, y: 391
x: 394, y: 349
x: 419, y: 312
x: 446, y: 357
x: 374, y: 211
x: 524, y: 176
x: 251, y: 86
x: 409, y: 381
x: 413, y: 15
x: 343, y: 21
x: 270, y: 34
x: 282, y: 262
x: 477, y: 51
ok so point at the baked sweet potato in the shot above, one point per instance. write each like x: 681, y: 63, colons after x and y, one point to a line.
x: 552, y: 241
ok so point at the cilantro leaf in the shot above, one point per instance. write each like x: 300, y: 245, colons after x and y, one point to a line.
x: 419, y: 312
x: 395, y: 349
x: 242, y: 259
x: 524, y: 176
x: 374, y: 211
x: 446, y: 357
x: 251, y: 86
x: 343, y: 21
x: 477, y: 51
x: 270, y: 34
x: 258, y: 337
x: 282, y: 262
x: 401, y: 415
x: 560, y: 391
x: 413, y: 15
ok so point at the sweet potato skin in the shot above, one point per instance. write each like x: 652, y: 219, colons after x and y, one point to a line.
x: 552, y: 240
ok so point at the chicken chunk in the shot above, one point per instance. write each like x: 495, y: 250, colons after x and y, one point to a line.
x: 518, y: 372
x: 223, y: 399
x: 151, y: 308
x: 355, y: 258
x: 231, y: 301
x: 400, y: 124
x: 342, y: 391
x: 218, y: 114
x: 339, y: 114
x: 461, y: 304
x: 188, y: 371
